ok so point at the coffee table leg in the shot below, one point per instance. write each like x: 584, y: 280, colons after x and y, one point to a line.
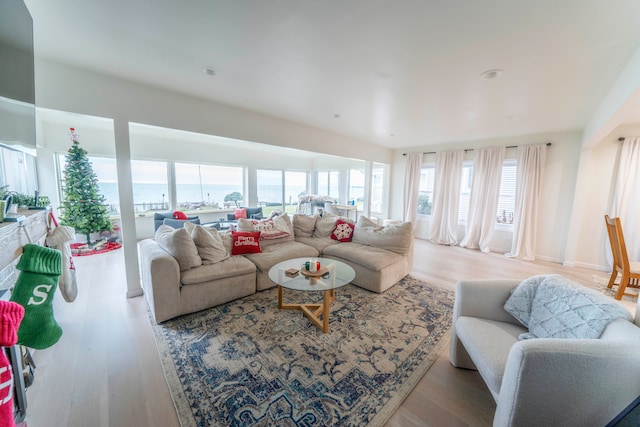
x: 328, y: 297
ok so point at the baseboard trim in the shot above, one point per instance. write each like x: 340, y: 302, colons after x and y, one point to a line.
x: 132, y: 293
x: 550, y: 259
x: 591, y: 266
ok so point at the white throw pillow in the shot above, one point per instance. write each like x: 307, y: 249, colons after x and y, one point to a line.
x: 304, y: 225
x: 209, y: 244
x: 325, y: 225
x: 270, y: 229
x: 180, y: 245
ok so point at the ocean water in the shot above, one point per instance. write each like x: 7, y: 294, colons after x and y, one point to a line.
x: 193, y: 194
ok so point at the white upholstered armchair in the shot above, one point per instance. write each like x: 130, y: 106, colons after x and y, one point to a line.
x: 543, y: 381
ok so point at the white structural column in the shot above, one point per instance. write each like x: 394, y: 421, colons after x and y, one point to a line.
x: 127, y: 216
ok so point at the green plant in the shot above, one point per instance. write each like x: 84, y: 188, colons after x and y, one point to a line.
x: 21, y: 199
x: 233, y: 197
x: 424, y: 206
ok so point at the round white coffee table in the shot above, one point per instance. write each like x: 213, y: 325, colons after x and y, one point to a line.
x: 339, y: 274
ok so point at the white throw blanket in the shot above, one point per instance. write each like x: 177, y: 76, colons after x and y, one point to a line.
x: 554, y: 307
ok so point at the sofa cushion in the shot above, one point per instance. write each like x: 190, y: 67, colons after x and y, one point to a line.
x: 209, y: 244
x: 374, y: 259
x: 230, y: 267
x: 395, y: 238
x: 180, y: 245
x: 240, y: 213
x: 318, y: 243
x: 245, y: 242
x: 343, y: 231
x: 273, y: 254
x: 488, y: 343
x: 304, y: 225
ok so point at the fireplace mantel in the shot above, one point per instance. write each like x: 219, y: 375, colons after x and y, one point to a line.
x: 13, y: 236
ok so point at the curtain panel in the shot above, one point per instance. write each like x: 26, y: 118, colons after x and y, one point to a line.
x: 485, y: 192
x: 531, y: 159
x: 446, y: 197
x: 626, y: 203
x: 411, y: 187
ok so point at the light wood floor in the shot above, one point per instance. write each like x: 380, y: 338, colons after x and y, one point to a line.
x: 105, y: 370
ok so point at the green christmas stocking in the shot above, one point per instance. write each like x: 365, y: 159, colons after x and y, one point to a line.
x: 39, y: 268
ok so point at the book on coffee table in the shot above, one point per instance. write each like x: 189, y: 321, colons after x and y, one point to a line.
x: 292, y: 272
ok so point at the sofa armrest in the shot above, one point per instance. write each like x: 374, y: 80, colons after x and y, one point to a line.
x: 160, y: 275
x: 568, y: 381
x: 483, y: 299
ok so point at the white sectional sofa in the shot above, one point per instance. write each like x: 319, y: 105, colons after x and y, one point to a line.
x: 176, y: 282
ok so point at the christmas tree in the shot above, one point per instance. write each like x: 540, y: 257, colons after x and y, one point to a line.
x: 83, y: 207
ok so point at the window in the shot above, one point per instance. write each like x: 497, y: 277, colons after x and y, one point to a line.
x: 507, y: 199
x: 295, y: 185
x: 270, y: 194
x: 356, y: 187
x: 150, y: 187
x: 269, y: 188
x: 323, y: 183
x: 425, y: 190
x: 377, y: 188
x: 205, y: 187
x: 18, y: 171
x: 465, y: 191
x: 328, y: 184
x: 334, y: 184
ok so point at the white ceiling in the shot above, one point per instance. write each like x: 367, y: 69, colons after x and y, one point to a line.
x: 399, y: 73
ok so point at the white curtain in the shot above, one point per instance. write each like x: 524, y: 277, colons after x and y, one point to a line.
x: 485, y: 192
x: 626, y: 200
x: 446, y: 197
x: 411, y: 186
x: 528, y: 185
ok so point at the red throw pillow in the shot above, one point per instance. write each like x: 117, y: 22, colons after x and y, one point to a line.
x: 343, y: 231
x: 179, y: 215
x: 245, y: 242
x: 240, y: 213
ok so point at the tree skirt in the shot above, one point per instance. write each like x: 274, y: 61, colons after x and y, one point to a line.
x: 247, y: 363
x: 82, y: 249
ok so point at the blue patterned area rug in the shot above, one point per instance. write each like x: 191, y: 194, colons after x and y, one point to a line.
x: 247, y: 363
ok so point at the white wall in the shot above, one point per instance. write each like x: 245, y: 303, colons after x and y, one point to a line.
x: 556, y: 200
x: 589, y: 244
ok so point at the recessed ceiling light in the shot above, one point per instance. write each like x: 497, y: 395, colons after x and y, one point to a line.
x: 491, y: 74
x: 210, y: 71
x: 337, y: 116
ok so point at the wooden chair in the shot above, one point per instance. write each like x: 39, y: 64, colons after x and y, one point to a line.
x: 630, y: 271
